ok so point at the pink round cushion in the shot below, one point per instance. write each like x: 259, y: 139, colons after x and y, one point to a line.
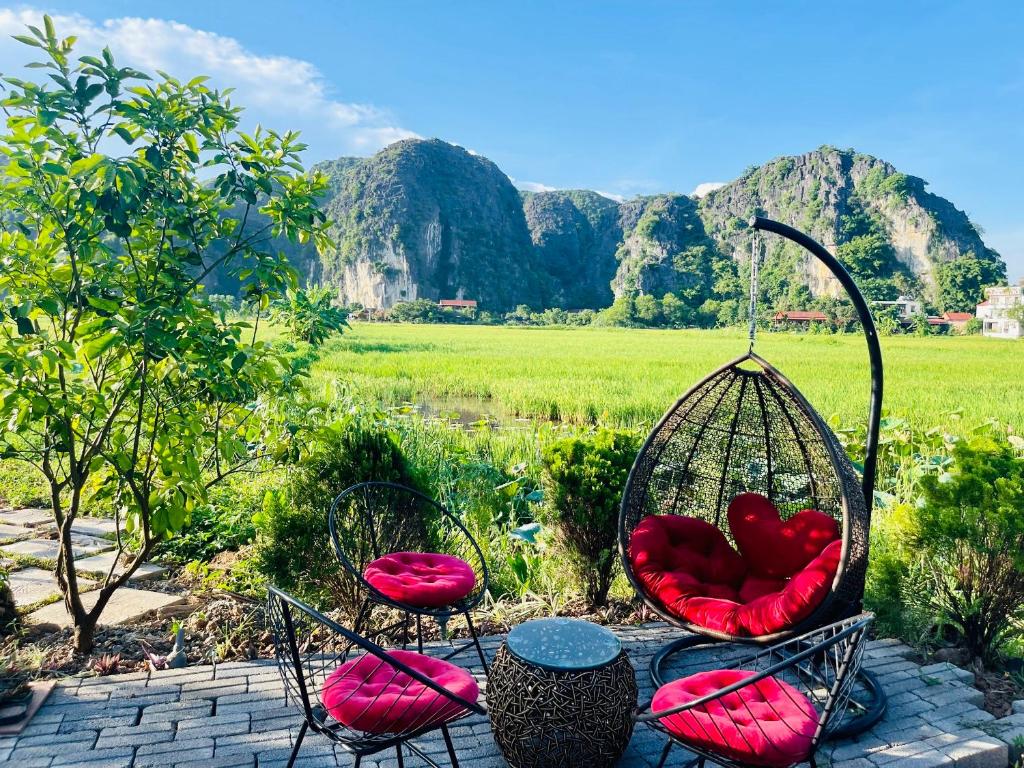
x: 422, y: 579
x: 368, y: 694
x: 768, y: 723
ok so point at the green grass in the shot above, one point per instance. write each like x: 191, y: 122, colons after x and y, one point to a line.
x: 630, y: 377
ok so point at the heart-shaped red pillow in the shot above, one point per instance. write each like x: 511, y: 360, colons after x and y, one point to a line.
x: 774, y: 548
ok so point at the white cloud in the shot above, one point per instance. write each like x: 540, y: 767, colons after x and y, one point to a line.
x: 532, y: 186
x: 278, y: 91
x: 612, y: 196
x: 707, y: 186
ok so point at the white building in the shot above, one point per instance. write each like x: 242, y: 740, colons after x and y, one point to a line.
x: 1001, y: 312
x: 906, y: 307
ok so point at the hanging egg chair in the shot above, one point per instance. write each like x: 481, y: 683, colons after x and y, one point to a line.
x: 742, y: 519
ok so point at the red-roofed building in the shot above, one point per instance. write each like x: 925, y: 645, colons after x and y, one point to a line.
x: 957, y: 319
x: 800, y: 316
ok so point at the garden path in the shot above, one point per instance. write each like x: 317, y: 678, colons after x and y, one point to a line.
x: 29, y: 542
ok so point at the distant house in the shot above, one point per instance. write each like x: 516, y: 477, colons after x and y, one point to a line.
x: 957, y: 320
x: 452, y: 304
x: 1000, y: 312
x: 799, y: 316
x: 905, y: 306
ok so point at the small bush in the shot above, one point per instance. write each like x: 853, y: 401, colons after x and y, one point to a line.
x: 295, y: 550
x: 583, y: 481
x: 971, y: 528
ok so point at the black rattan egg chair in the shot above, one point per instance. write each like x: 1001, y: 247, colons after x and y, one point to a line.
x: 375, y: 520
x: 745, y: 429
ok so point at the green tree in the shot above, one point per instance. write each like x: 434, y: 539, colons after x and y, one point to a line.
x: 676, y: 312
x: 647, y: 309
x: 584, y: 477
x: 971, y: 527
x: 120, y: 380
x: 622, y: 312
x: 310, y: 314
x: 962, y: 282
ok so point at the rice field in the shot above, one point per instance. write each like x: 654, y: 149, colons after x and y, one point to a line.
x: 629, y: 377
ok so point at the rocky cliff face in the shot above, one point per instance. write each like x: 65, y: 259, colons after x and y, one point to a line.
x: 836, y: 195
x: 427, y: 219
x: 666, y: 250
x: 575, y: 234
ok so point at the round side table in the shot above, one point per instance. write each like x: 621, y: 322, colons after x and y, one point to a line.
x: 561, y: 693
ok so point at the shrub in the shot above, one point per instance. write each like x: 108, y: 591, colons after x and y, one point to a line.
x: 295, y: 550
x: 583, y: 481
x: 971, y: 528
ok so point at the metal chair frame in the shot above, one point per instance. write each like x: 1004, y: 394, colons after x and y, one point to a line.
x: 383, y: 542
x: 302, y: 668
x: 824, y: 662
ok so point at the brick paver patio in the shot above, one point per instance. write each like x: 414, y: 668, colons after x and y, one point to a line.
x: 235, y: 715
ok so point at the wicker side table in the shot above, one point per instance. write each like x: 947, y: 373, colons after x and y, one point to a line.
x: 561, y: 693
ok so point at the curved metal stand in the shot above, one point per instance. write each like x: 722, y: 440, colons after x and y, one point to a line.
x: 870, y: 707
x: 870, y: 335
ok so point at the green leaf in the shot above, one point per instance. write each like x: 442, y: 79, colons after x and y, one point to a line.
x: 96, y: 347
x: 55, y: 169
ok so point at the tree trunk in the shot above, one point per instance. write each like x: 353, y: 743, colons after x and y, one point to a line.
x: 85, y: 632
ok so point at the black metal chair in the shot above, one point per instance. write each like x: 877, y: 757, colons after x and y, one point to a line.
x: 375, y: 520
x: 769, y: 709
x: 358, y: 695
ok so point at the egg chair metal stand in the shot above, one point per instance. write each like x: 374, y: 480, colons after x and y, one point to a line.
x: 746, y: 428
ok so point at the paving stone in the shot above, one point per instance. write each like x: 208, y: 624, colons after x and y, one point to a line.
x: 42, y: 549
x: 1014, y: 740
x: 1018, y: 707
x: 30, y: 517
x: 14, y: 532
x: 97, y: 758
x: 101, y: 563
x: 981, y: 752
x: 32, y: 585
x: 101, y: 527
x: 126, y: 604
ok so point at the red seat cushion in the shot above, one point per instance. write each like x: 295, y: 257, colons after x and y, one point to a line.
x: 677, y: 557
x: 368, y: 694
x: 774, y: 611
x: 771, y: 547
x: 689, y: 567
x: 768, y: 723
x: 422, y: 579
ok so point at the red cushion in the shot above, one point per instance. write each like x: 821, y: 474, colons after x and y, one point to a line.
x: 771, y: 547
x: 688, y: 566
x: 368, y: 694
x: 676, y: 557
x: 767, y: 723
x: 422, y: 579
x: 772, y: 612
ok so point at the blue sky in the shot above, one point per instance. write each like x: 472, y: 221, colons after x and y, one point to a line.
x: 622, y: 97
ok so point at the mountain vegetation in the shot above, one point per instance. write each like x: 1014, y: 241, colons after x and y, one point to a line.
x: 426, y: 220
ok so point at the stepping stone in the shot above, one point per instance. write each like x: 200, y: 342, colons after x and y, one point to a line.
x: 125, y: 605
x: 30, y: 585
x: 14, y: 532
x: 32, y: 517
x: 103, y: 527
x: 43, y: 549
x: 48, y: 549
x: 102, y: 563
